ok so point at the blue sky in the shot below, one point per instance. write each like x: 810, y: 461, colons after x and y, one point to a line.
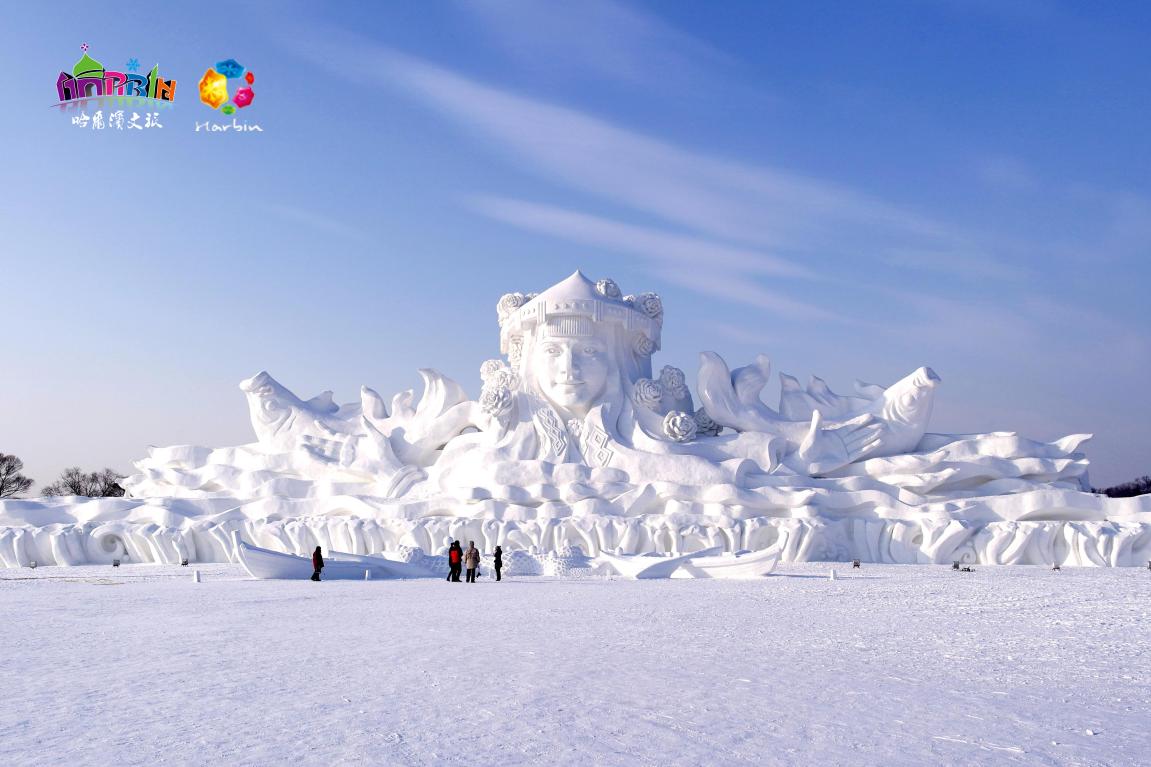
x: 854, y: 189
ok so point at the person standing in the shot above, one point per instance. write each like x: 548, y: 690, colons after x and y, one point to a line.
x: 317, y: 563
x: 472, y: 561
x: 454, y: 562
x: 499, y: 561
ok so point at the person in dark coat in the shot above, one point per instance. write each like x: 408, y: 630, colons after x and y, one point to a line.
x: 455, y: 561
x: 317, y: 563
x: 499, y: 561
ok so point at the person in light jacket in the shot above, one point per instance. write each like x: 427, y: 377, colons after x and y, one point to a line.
x: 471, y: 561
x: 317, y: 563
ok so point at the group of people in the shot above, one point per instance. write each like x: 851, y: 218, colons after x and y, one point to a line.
x: 458, y: 559
x: 469, y: 560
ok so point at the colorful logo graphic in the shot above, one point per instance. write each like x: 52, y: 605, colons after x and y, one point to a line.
x: 90, y: 80
x: 214, y: 86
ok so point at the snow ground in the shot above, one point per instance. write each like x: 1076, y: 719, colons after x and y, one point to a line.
x: 891, y: 665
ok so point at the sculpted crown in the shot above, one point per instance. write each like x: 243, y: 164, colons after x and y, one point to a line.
x: 577, y: 297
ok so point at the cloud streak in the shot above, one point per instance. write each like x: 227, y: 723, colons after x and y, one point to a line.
x: 677, y: 258
x: 602, y: 38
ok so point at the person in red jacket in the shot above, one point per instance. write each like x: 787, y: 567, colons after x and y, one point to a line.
x: 317, y: 563
x: 455, y: 561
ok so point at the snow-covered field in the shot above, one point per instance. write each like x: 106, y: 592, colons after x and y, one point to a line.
x: 889, y: 665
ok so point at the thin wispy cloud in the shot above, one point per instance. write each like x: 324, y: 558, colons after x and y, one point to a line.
x: 963, y: 264
x: 314, y: 221
x: 698, y: 264
x: 600, y: 38
x: 727, y: 223
x: 1006, y: 174
x: 755, y: 205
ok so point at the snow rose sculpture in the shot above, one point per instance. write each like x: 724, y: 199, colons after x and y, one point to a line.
x: 509, y: 302
x: 608, y: 289
x: 497, y: 375
x: 490, y: 368
x: 496, y: 400
x: 673, y: 381
x: 643, y: 346
x: 705, y: 425
x: 650, y: 304
x: 648, y: 393
x: 679, y: 426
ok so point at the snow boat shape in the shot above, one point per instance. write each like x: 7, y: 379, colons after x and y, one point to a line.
x: 265, y: 564
x: 746, y: 565
x: 647, y: 566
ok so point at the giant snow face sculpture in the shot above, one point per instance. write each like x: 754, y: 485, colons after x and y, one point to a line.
x: 572, y: 371
x: 574, y: 440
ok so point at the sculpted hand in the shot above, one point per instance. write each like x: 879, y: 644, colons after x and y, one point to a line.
x: 342, y: 452
x: 827, y: 449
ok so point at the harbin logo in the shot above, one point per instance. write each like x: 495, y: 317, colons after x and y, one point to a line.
x: 214, y: 86
x: 90, y: 80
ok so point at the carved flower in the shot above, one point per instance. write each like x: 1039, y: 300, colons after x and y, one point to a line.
x: 673, y: 381
x: 496, y: 374
x: 489, y: 368
x: 575, y: 427
x: 648, y: 393
x: 629, y: 300
x: 506, y: 379
x: 608, y: 289
x: 495, y: 400
x: 508, y: 303
x: 705, y: 425
x: 679, y: 426
x: 651, y: 305
x: 643, y: 346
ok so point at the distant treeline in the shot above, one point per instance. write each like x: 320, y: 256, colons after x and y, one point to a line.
x: 74, y: 481
x: 1135, y: 487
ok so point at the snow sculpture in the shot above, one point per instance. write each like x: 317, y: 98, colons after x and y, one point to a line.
x: 575, y: 441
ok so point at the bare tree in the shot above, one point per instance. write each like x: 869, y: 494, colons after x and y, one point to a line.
x: 12, y: 481
x: 96, y: 484
x: 1130, y: 489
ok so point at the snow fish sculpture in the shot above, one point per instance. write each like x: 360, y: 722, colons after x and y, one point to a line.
x: 575, y: 442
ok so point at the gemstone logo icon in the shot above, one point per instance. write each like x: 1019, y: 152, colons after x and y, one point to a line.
x: 215, y: 90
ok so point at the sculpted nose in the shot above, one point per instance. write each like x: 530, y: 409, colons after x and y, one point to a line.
x: 567, y: 365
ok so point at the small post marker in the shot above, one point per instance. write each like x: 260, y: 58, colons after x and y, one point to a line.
x: 367, y: 575
x: 855, y: 564
x: 831, y: 577
x: 195, y: 576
